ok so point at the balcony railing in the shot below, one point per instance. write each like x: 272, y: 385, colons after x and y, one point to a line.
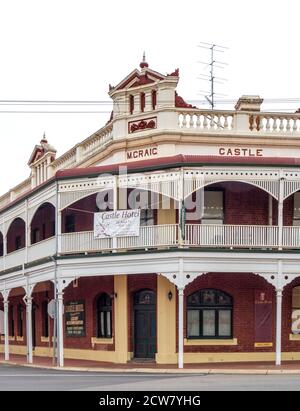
x: 42, y: 249
x: 34, y: 252
x: 196, y: 235
x: 162, y: 237
x: 150, y: 236
x: 231, y: 235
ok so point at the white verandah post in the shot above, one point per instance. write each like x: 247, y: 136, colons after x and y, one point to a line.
x: 180, y: 327
x: 280, y: 211
x: 279, y: 290
x: 28, y: 302
x: 115, y: 207
x: 278, y: 325
x: 60, y: 328
x: 6, y: 330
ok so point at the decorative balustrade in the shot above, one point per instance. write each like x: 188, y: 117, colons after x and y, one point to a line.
x: 206, y: 120
x: 68, y: 160
x: 96, y: 142
x: 239, y: 121
x: 275, y: 123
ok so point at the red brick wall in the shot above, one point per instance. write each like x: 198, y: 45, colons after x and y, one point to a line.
x: 246, y: 204
x: 242, y: 288
x: 89, y: 289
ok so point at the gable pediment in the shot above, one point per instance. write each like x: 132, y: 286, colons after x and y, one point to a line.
x: 37, y: 153
x: 40, y: 150
x: 137, y: 78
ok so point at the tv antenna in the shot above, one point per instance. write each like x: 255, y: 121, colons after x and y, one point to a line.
x: 213, y: 64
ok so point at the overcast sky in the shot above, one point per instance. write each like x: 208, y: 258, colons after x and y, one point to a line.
x: 72, y: 50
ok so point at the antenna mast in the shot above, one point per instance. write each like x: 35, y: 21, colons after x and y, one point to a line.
x: 214, y: 48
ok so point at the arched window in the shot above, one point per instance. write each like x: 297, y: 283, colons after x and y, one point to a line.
x: 104, y: 316
x: 209, y: 314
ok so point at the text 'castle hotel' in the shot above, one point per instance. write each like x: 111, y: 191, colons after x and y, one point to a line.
x: 223, y: 286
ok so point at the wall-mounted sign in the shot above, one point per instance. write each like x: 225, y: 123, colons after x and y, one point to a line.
x: 119, y: 223
x: 241, y: 152
x: 75, y: 318
x: 142, y: 153
x: 263, y: 319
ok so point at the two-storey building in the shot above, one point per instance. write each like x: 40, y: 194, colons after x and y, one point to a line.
x: 214, y: 274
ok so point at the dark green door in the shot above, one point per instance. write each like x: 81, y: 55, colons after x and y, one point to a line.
x: 145, y: 324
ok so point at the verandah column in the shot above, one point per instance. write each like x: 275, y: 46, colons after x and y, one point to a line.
x: 6, y: 330
x: 278, y: 325
x: 28, y: 302
x: 280, y: 211
x: 115, y: 207
x: 60, y: 327
x: 279, y: 289
x: 180, y: 327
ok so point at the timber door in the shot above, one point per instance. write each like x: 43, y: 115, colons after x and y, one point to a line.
x: 145, y: 324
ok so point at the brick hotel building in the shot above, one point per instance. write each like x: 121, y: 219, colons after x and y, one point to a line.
x: 221, y: 288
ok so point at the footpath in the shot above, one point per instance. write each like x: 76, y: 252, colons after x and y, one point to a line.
x: 150, y: 367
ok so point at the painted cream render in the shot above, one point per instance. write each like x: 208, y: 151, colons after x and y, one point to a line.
x: 166, y: 322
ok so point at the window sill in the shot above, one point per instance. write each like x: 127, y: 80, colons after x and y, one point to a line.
x: 20, y: 339
x: 44, y: 339
x: 10, y: 338
x: 230, y: 341
x: 294, y: 337
x: 95, y: 341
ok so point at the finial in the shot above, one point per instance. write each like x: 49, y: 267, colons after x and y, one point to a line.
x: 44, y: 140
x: 144, y: 64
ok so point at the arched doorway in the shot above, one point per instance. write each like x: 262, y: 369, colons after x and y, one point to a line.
x: 145, y: 324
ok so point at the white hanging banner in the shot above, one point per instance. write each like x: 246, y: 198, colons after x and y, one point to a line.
x: 119, y: 223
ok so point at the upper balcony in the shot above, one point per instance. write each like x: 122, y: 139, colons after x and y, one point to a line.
x: 236, y: 216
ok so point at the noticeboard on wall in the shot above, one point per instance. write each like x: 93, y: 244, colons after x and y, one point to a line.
x: 75, y: 318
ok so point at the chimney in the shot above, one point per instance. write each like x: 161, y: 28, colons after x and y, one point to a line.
x: 248, y: 103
